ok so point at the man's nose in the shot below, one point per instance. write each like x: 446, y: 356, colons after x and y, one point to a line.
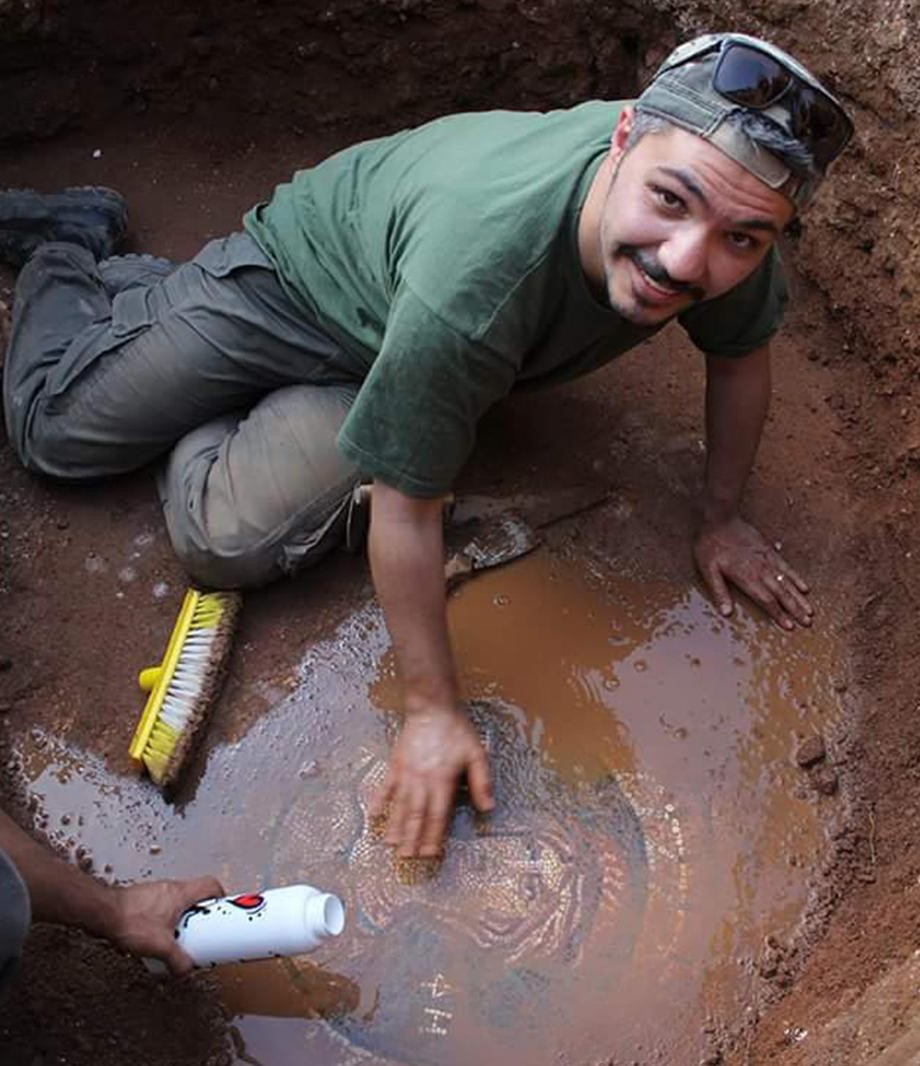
x: 684, y: 255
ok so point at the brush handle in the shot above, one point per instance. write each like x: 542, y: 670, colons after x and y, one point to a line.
x: 148, y: 678
x: 259, y: 925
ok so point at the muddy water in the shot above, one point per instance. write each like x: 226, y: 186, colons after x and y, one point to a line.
x: 651, y: 829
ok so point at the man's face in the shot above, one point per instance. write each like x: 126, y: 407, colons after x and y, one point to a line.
x: 681, y: 223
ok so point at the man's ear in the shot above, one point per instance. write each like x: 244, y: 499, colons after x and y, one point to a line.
x: 621, y: 133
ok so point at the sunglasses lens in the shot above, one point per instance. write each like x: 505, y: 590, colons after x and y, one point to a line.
x: 750, y: 78
x: 820, y: 125
x: 753, y: 79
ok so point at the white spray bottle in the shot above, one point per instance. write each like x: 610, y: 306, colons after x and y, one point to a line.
x: 259, y: 925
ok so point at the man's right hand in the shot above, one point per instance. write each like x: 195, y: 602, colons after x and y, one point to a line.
x: 434, y: 748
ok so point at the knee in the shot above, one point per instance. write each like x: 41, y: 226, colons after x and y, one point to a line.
x: 48, y: 453
x: 222, y: 566
x: 239, y: 558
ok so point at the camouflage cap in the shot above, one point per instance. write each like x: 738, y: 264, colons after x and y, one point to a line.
x: 683, y: 92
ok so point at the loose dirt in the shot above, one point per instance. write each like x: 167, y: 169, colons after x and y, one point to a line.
x: 822, y: 897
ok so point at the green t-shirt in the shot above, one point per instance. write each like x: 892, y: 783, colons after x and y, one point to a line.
x: 444, y: 261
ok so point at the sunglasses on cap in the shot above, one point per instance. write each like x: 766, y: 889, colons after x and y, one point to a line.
x: 753, y: 75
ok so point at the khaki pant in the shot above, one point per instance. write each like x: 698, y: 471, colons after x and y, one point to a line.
x: 113, y: 365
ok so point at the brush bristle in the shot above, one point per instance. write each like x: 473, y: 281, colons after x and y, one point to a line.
x: 193, y: 687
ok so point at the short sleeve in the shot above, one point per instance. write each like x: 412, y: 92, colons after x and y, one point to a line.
x: 745, y: 317
x: 413, y: 422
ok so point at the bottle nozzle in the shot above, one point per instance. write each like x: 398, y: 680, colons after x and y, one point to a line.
x: 325, y: 914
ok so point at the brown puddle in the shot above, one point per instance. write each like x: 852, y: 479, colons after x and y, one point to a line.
x: 649, y: 833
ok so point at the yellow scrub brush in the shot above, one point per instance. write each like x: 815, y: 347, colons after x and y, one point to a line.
x: 186, y: 684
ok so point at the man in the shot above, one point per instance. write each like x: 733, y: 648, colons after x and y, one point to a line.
x: 138, y: 918
x: 382, y: 301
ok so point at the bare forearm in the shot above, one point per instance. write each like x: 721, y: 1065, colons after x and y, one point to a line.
x: 737, y: 401
x: 136, y: 918
x: 406, y: 551
x: 58, y: 892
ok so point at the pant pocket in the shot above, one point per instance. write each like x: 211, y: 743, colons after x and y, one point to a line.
x: 131, y: 315
x: 222, y: 256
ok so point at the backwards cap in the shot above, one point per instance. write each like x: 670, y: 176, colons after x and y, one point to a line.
x: 682, y: 93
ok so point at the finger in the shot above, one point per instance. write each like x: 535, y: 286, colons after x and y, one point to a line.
x: 480, y: 781
x: 766, y: 596
x: 800, y: 583
x: 439, y: 805
x: 399, y: 810
x: 414, y: 823
x: 790, y: 599
x: 712, y: 575
x: 198, y: 888
x: 796, y: 603
x: 177, y: 960
x: 383, y: 795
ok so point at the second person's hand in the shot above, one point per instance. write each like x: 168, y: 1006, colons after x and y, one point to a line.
x: 434, y: 748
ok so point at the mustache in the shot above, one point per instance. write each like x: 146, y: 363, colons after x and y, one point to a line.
x: 650, y: 266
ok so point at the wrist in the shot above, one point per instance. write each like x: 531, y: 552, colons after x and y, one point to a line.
x: 418, y: 705
x: 103, y: 912
x: 716, y: 512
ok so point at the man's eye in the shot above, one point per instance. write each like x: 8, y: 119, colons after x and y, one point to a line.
x: 667, y: 198
x: 743, y: 242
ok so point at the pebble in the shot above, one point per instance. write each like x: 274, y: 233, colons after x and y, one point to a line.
x: 84, y: 859
x: 824, y: 780
x: 5, y: 662
x: 5, y: 707
x: 93, y: 564
x: 155, y: 849
x: 810, y: 751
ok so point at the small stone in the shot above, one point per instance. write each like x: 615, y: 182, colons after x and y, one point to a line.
x: 5, y: 663
x: 63, y: 523
x: 840, y: 685
x: 824, y: 780
x: 810, y: 751
x: 155, y: 849
x: 5, y: 707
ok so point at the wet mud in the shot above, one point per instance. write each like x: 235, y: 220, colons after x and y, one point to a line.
x: 653, y: 828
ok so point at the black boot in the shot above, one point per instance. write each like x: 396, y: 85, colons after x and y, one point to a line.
x: 91, y: 216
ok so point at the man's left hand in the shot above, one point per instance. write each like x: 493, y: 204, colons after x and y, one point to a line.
x: 733, y: 552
